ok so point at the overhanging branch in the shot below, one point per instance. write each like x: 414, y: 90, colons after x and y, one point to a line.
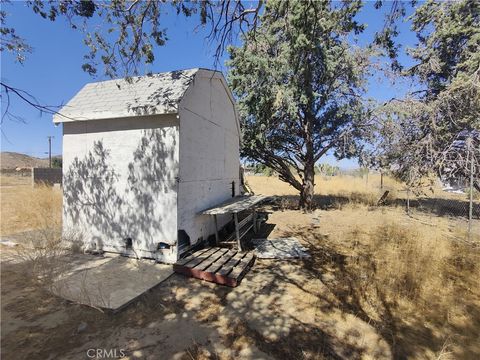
x: 28, y: 99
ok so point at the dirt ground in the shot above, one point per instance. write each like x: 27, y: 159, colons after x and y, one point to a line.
x: 348, y: 301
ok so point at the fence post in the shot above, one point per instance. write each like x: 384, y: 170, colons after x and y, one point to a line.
x: 408, y: 200
x: 470, y: 205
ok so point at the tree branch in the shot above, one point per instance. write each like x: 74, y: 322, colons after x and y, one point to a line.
x: 30, y: 100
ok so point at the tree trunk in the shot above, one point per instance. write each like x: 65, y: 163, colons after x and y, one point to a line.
x: 307, y: 191
x: 306, y: 194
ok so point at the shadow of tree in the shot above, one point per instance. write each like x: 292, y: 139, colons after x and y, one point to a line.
x: 235, y: 320
x: 262, y: 313
x: 354, y: 290
x: 90, y: 193
x: 151, y: 176
x: 169, y: 90
x: 114, y: 201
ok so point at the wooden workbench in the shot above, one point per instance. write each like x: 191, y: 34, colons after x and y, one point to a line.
x: 234, y: 206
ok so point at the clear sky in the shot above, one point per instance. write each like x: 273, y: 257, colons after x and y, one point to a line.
x: 53, y: 74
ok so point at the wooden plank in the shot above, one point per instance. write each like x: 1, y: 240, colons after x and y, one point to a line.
x: 237, y: 231
x: 227, y: 267
x: 189, y: 258
x: 215, y: 274
x: 233, y: 236
x: 239, y: 271
x: 383, y: 198
x: 210, y: 273
x: 234, y: 280
x: 202, y: 257
x: 242, y: 267
x: 205, y: 264
x: 235, y: 205
x: 230, y: 239
x: 217, y: 238
x: 184, y: 267
x: 219, y: 263
x: 245, y: 230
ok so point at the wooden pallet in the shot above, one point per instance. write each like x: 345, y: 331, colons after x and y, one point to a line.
x: 218, y: 265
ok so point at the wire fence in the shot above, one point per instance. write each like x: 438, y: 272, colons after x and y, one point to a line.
x: 462, y: 203
x: 456, y: 199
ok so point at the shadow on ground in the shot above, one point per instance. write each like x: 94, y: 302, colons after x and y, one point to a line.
x: 354, y: 291
x: 178, y: 319
x: 315, y: 308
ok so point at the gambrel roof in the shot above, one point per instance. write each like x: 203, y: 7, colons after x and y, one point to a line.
x: 144, y: 95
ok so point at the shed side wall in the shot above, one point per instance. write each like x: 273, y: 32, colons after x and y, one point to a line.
x: 209, y: 155
x: 119, y: 180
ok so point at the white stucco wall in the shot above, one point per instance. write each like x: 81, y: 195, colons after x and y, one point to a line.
x: 209, y: 154
x: 120, y: 180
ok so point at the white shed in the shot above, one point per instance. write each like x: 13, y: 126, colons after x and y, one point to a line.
x: 142, y: 159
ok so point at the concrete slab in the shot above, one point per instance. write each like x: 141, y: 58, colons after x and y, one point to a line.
x: 279, y: 248
x: 109, y: 282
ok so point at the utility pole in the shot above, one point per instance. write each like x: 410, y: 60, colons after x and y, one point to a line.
x: 50, y: 150
x: 470, y: 204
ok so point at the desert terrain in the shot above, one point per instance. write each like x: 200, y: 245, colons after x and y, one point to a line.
x: 380, y: 284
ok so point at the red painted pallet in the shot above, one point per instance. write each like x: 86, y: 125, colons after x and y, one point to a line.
x: 218, y: 265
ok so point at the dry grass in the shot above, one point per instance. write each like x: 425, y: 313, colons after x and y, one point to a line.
x: 25, y: 208
x: 31, y: 216
x: 417, y: 266
x: 407, y: 267
x: 376, y: 277
x: 348, y: 186
x: 343, y: 192
x: 335, y: 185
x: 415, y: 285
x: 413, y: 277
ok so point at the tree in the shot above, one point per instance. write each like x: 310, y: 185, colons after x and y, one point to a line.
x: 420, y: 131
x: 299, y: 83
x: 328, y: 170
x: 121, y: 35
x: 57, y: 162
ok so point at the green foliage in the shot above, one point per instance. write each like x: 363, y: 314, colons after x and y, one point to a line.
x: 262, y: 169
x: 125, y: 38
x: 425, y: 133
x: 122, y: 35
x: 449, y: 43
x: 57, y: 162
x: 360, y: 172
x: 327, y: 170
x: 299, y: 83
x: 385, y: 39
x: 10, y: 41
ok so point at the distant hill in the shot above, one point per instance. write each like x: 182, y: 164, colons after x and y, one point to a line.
x: 12, y: 160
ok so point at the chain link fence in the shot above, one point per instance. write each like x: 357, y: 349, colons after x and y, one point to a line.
x: 462, y: 203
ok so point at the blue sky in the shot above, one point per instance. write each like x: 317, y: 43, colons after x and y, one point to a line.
x: 53, y: 74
